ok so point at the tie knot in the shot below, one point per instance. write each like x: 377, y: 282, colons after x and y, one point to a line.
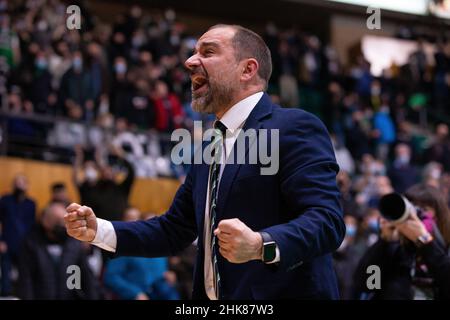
x: 220, y: 126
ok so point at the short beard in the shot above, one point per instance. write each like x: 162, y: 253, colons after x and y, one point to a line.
x: 218, y: 97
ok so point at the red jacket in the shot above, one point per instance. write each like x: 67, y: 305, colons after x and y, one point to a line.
x: 176, y: 112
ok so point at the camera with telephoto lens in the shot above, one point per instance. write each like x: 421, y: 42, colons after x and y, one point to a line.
x: 395, y: 208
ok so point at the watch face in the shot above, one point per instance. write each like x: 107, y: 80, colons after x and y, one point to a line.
x: 269, y: 251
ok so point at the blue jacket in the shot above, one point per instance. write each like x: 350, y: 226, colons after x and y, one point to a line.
x: 129, y: 276
x: 17, y: 219
x: 299, y: 207
x: 383, y: 122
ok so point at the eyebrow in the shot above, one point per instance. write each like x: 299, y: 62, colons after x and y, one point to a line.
x: 207, y: 44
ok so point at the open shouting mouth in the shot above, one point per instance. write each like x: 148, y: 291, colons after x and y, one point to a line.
x: 199, y: 84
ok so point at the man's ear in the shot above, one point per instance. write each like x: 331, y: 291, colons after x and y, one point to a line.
x: 250, y: 69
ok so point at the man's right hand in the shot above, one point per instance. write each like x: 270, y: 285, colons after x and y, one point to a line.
x: 81, y: 222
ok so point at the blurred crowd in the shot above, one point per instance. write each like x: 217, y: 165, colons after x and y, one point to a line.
x: 40, y: 261
x: 116, y: 91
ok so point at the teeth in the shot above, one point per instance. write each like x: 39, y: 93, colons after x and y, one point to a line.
x: 198, y: 80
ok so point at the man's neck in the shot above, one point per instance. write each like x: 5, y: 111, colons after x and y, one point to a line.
x: 241, y: 97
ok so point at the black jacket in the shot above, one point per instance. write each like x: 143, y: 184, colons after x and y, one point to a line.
x: 107, y: 198
x: 41, y: 278
x: 395, y: 261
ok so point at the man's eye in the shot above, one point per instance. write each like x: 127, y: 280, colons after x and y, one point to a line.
x: 209, y: 52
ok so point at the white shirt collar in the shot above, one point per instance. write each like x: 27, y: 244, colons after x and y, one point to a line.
x: 237, y: 114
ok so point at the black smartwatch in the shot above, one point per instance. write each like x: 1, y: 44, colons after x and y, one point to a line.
x: 269, y: 248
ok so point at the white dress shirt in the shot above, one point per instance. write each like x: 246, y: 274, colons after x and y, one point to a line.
x: 234, y: 120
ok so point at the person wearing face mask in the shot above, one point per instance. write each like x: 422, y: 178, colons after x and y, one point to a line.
x: 413, y: 255
x: 121, y: 88
x: 97, y: 185
x: 85, y: 175
x: 346, y: 257
x: 77, y: 88
x: 41, y: 85
x: 402, y: 173
x: 17, y: 217
x: 432, y: 174
x: 44, y: 260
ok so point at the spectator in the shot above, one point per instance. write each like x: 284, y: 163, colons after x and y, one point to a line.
x: 59, y: 194
x: 346, y: 258
x: 439, y: 151
x: 17, y: 214
x: 41, y: 94
x: 412, y: 269
x: 77, y: 89
x: 138, y: 109
x: 402, y: 174
x: 343, y: 156
x: 384, y: 132
x: 432, y: 174
x: 100, y: 189
x: 349, y: 205
x: 169, y: 112
x: 45, y: 259
x: 120, y: 87
x: 136, y: 278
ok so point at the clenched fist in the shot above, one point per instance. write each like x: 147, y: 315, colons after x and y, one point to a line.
x: 237, y: 242
x: 81, y: 222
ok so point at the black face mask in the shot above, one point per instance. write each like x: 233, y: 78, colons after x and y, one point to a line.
x: 18, y: 193
x: 59, y: 232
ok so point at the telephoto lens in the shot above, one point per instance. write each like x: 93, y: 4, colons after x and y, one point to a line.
x: 395, y: 207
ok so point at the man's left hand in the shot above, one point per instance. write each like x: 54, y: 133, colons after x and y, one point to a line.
x: 237, y: 242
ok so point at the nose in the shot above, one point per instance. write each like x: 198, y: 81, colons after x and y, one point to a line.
x: 192, y: 62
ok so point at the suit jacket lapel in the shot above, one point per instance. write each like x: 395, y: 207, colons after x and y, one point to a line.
x: 202, y: 184
x: 262, y: 109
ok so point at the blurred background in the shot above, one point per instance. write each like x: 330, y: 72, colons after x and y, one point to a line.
x: 86, y: 115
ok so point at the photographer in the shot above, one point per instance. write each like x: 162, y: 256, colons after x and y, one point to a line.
x: 412, y: 254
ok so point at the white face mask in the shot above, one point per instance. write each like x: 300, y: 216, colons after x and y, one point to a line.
x: 435, y: 174
x: 91, y: 174
x: 403, y: 159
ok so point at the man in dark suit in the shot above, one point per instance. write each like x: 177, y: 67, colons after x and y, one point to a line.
x: 260, y: 236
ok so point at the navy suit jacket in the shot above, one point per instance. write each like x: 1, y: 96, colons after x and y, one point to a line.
x: 298, y: 206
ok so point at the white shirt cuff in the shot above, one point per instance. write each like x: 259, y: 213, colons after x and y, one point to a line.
x: 105, y: 237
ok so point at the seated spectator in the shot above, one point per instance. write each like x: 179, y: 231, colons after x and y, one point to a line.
x: 17, y: 212
x: 45, y: 259
x: 136, y: 278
